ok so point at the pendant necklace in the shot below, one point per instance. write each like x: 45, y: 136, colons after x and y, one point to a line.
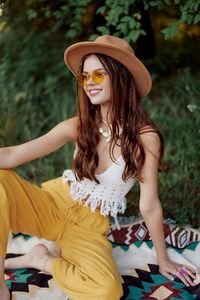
x: 106, y: 134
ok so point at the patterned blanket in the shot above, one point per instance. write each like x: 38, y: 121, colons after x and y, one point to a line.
x: 136, y: 260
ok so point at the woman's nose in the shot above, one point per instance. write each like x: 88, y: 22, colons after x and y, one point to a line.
x: 90, y: 80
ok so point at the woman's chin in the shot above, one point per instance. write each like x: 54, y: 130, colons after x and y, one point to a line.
x: 97, y: 101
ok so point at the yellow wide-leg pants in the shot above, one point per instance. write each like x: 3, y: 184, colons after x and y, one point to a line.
x: 86, y: 269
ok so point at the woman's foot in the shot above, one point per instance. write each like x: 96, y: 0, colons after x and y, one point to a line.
x: 36, y: 258
x: 4, y: 292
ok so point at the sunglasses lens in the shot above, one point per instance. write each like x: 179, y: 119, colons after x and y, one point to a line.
x: 98, y: 77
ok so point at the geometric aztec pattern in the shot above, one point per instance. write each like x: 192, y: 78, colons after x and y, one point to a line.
x: 174, y: 235
x: 146, y: 285
x: 152, y: 285
x: 141, y: 283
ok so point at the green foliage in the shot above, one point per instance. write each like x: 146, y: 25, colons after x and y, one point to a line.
x: 121, y: 20
x: 189, y: 14
x: 172, y: 30
x: 124, y: 18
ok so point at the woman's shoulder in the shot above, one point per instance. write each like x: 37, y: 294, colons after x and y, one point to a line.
x: 150, y: 138
x: 148, y: 131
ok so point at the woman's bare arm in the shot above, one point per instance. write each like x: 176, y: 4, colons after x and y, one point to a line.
x: 150, y: 206
x: 151, y: 211
x: 13, y: 156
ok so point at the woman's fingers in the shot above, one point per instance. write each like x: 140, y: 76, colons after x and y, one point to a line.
x: 185, y: 277
x: 172, y: 270
x: 190, y: 271
x: 169, y: 276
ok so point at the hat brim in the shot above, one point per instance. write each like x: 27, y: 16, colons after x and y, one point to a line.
x: 74, y: 54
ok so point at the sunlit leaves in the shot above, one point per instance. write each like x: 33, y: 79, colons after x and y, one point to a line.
x: 172, y: 30
x: 187, y: 11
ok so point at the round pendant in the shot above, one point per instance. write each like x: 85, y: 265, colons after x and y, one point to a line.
x: 101, y: 130
x: 105, y: 134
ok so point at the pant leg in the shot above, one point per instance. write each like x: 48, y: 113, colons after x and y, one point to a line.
x: 27, y: 208
x: 87, y: 270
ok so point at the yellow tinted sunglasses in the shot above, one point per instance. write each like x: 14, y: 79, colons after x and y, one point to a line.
x: 97, y: 77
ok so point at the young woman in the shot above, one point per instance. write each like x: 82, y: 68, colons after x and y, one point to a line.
x: 116, y: 143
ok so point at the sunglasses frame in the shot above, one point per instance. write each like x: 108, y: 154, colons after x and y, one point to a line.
x: 83, y: 77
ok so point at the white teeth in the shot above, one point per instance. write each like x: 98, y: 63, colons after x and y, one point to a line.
x: 94, y: 92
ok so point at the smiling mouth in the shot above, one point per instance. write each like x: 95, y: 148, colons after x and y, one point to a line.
x: 94, y: 92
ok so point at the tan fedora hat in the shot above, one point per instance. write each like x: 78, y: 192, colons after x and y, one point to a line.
x: 118, y: 49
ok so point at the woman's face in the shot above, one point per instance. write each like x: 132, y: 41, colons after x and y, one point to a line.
x: 98, y: 93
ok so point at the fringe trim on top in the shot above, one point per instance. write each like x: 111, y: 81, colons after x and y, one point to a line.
x: 110, y: 200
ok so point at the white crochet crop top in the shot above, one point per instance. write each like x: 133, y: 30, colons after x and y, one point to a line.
x: 108, y: 195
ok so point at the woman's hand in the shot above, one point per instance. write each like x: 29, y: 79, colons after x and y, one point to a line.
x: 171, y: 270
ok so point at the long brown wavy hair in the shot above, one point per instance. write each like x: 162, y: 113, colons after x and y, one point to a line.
x: 126, y: 112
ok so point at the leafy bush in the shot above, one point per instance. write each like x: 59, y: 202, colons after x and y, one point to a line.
x: 127, y: 17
